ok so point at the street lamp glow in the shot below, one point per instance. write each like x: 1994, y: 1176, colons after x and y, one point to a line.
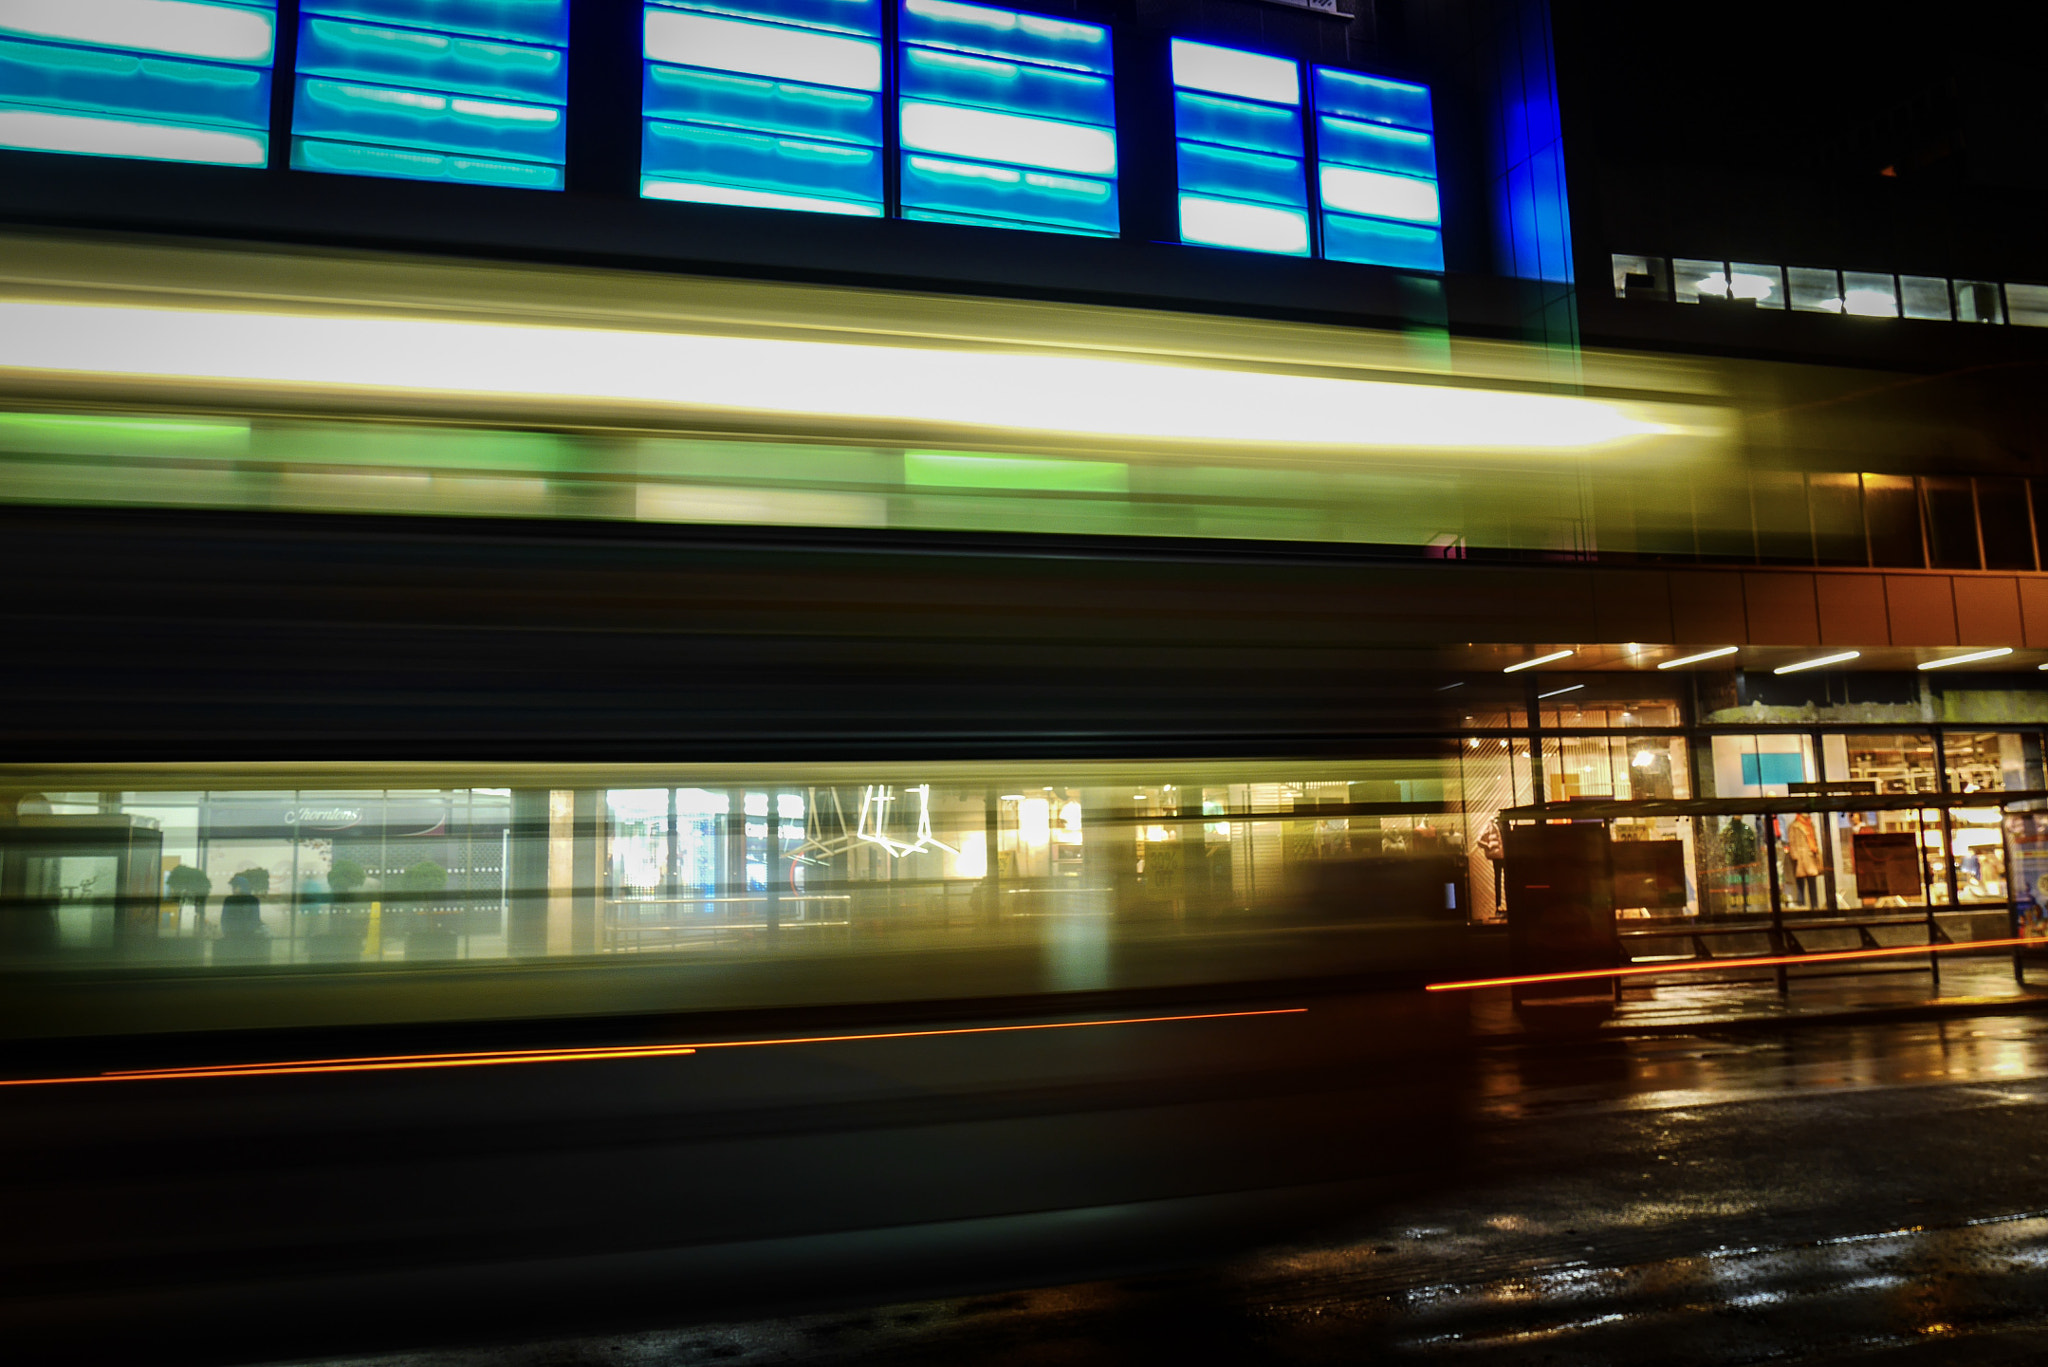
x: 1713, y: 654
x: 1817, y: 663
x: 1539, y: 660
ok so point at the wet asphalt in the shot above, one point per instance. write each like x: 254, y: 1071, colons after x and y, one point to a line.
x: 1853, y: 1194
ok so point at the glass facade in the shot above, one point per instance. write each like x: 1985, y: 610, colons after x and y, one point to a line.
x: 1006, y: 119
x: 773, y: 104
x: 475, y: 93
x: 1808, y: 289
x: 1238, y: 143
x: 186, y: 81
x: 1376, y: 170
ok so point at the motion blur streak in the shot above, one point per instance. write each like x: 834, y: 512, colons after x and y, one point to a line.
x: 1699, y: 965
x: 987, y: 390
x: 482, y: 1060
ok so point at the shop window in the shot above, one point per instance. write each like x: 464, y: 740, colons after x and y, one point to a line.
x: 1814, y: 291
x: 1758, y: 766
x: 1951, y: 524
x: 1925, y: 296
x: 1640, y: 277
x: 1978, y: 301
x: 1891, y: 510
x: 1008, y: 119
x: 1836, y: 502
x: 474, y: 94
x: 2027, y: 305
x: 1866, y: 295
x: 1690, y: 280
x: 130, y: 78
x: 2007, y: 528
x: 1763, y: 286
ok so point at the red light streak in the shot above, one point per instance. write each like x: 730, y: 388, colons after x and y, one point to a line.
x: 1703, y: 965
x: 498, y: 1058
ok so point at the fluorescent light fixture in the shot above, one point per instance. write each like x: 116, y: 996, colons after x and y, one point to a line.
x: 1250, y: 227
x: 1378, y: 194
x: 1870, y: 304
x: 1970, y: 658
x: 690, y: 192
x: 1817, y: 663
x: 1228, y: 71
x: 1539, y: 660
x: 179, y: 28
x: 1556, y: 691
x: 1012, y: 138
x: 91, y: 135
x: 676, y: 371
x: 1714, y: 654
x: 785, y: 54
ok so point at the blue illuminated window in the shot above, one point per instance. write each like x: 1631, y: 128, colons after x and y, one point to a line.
x: 1238, y: 143
x: 1006, y: 119
x: 164, y: 80
x: 475, y: 91
x: 771, y: 103
x: 1376, y: 171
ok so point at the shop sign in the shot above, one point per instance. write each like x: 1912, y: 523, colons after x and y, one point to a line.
x: 1887, y: 864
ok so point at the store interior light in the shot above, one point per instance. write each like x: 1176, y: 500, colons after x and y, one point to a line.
x: 1841, y: 657
x: 1714, y: 654
x: 1539, y: 660
x: 1557, y: 691
x: 1970, y: 658
x: 1086, y: 395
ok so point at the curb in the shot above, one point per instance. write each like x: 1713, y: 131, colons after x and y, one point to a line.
x: 1958, y: 1008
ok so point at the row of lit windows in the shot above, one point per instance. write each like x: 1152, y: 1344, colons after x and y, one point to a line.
x: 1809, y: 289
x: 1001, y: 117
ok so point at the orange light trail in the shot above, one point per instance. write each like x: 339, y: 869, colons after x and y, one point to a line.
x: 1702, y: 965
x: 498, y: 1058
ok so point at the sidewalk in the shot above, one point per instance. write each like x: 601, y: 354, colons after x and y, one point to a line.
x: 1684, y: 1004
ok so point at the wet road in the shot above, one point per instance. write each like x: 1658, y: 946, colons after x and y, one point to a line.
x: 1828, y: 1194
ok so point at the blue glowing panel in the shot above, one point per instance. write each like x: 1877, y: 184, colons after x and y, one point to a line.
x: 470, y: 91
x: 163, y: 80
x: 770, y: 104
x: 1238, y: 147
x: 1006, y: 119
x: 1376, y: 170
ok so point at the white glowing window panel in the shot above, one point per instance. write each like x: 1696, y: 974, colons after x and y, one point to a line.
x: 1238, y: 149
x: 161, y: 80
x: 470, y: 91
x: 1007, y: 119
x: 1376, y: 169
x: 764, y: 104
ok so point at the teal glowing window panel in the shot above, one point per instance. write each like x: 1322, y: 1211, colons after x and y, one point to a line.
x: 773, y: 104
x: 1240, y: 157
x: 1376, y: 175
x: 161, y: 80
x: 1771, y: 768
x: 469, y: 91
x: 1006, y: 119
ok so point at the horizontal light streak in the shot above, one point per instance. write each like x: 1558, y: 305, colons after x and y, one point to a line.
x: 786, y: 54
x: 1012, y: 138
x: 1521, y: 665
x: 1250, y: 227
x: 178, y: 28
x: 1379, y: 195
x: 1840, y: 657
x: 1703, y: 965
x: 1971, y: 658
x: 1006, y: 391
x: 1229, y: 71
x: 599, y: 1054
x: 698, y: 192
x: 90, y: 135
x: 1713, y: 654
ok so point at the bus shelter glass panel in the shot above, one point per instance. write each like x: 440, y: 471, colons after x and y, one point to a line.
x: 186, y: 82
x: 773, y: 104
x: 1007, y: 119
x: 472, y: 93
x: 1239, y: 150
x: 1376, y: 170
